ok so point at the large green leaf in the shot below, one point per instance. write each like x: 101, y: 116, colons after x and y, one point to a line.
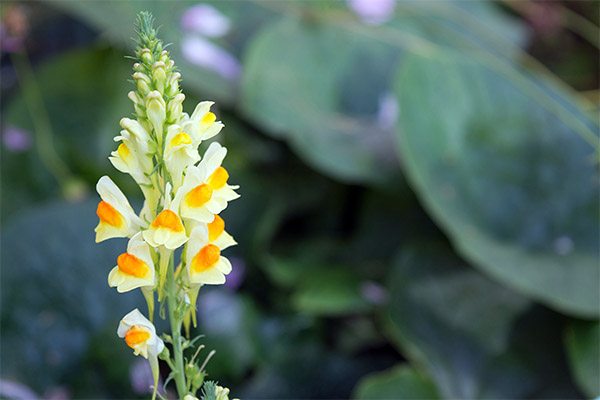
x: 476, y: 338
x: 583, y: 349
x: 401, y: 382
x: 498, y: 161
x: 319, y: 88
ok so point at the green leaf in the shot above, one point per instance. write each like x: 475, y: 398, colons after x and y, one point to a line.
x: 476, y: 338
x: 400, y: 382
x: 499, y: 163
x: 318, y: 87
x: 583, y: 347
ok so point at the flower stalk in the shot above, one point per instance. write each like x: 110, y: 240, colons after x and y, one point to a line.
x: 183, y: 194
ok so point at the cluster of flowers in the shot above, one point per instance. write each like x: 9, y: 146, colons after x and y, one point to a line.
x: 184, y: 194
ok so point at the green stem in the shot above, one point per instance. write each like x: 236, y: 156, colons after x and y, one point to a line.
x: 179, y: 370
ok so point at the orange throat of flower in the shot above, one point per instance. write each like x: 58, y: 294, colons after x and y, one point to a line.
x: 169, y: 220
x: 109, y: 215
x: 131, y: 265
x: 215, y: 228
x: 206, y: 258
x: 136, y: 335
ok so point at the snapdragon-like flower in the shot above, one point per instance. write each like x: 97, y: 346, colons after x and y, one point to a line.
x: 140, y: 335
x: 204, y: 262
x: 167, y: 229
x: 135, y: 268
x: 180, y: 151
x: 205, y: 191
x: 203, y: 124
x: 183, y: 193
x: 117, y: 218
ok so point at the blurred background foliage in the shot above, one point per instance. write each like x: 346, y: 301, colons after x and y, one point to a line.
x: 419, y: 213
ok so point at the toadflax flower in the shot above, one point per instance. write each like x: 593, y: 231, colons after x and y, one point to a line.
x: 117, y: 218
x: 135, y: 268
x: 205, y: 191
x: 140, y: 335
x: 205, y: 264
x: 183, y: 195
x: 167, y: 229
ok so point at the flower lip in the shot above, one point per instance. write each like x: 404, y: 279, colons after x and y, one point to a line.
x: 109, y: 215
x: 140, y: 334
x: 169, y: 220
x: 206, y: 258
x: 131, y: 265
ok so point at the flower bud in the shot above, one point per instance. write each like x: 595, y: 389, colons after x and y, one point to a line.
x: 159, y: 74
x: 138, y: 103
x: 143, y: 83
x: 175, y: 108
x: 146, y: 55
x: 173, y: 84
x: 164, y: 56
x: 155, y: 109
x: 165, y: 354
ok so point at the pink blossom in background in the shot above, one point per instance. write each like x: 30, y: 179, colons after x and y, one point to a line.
x: 202, y: 52
x: 373, y: 11
x: 16, y: 140
x: 205, y: 20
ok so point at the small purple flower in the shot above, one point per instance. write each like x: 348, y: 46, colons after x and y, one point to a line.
x: 16, y: 140
x: 205, y: 20
x: 200, y: 51
x: 373, y: 12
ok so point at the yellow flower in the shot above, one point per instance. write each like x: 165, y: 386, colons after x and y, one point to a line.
x: 166, y: 229
x: 117, y: 218
x: 140, y: 335
x: 202, y: 125
x: 205, y: 191
x: 137, y: 138
x: 180, y: 152
x: 216, y: 232
x: 127, y: 159
x: 135, y: 268
x: 204, y: 262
